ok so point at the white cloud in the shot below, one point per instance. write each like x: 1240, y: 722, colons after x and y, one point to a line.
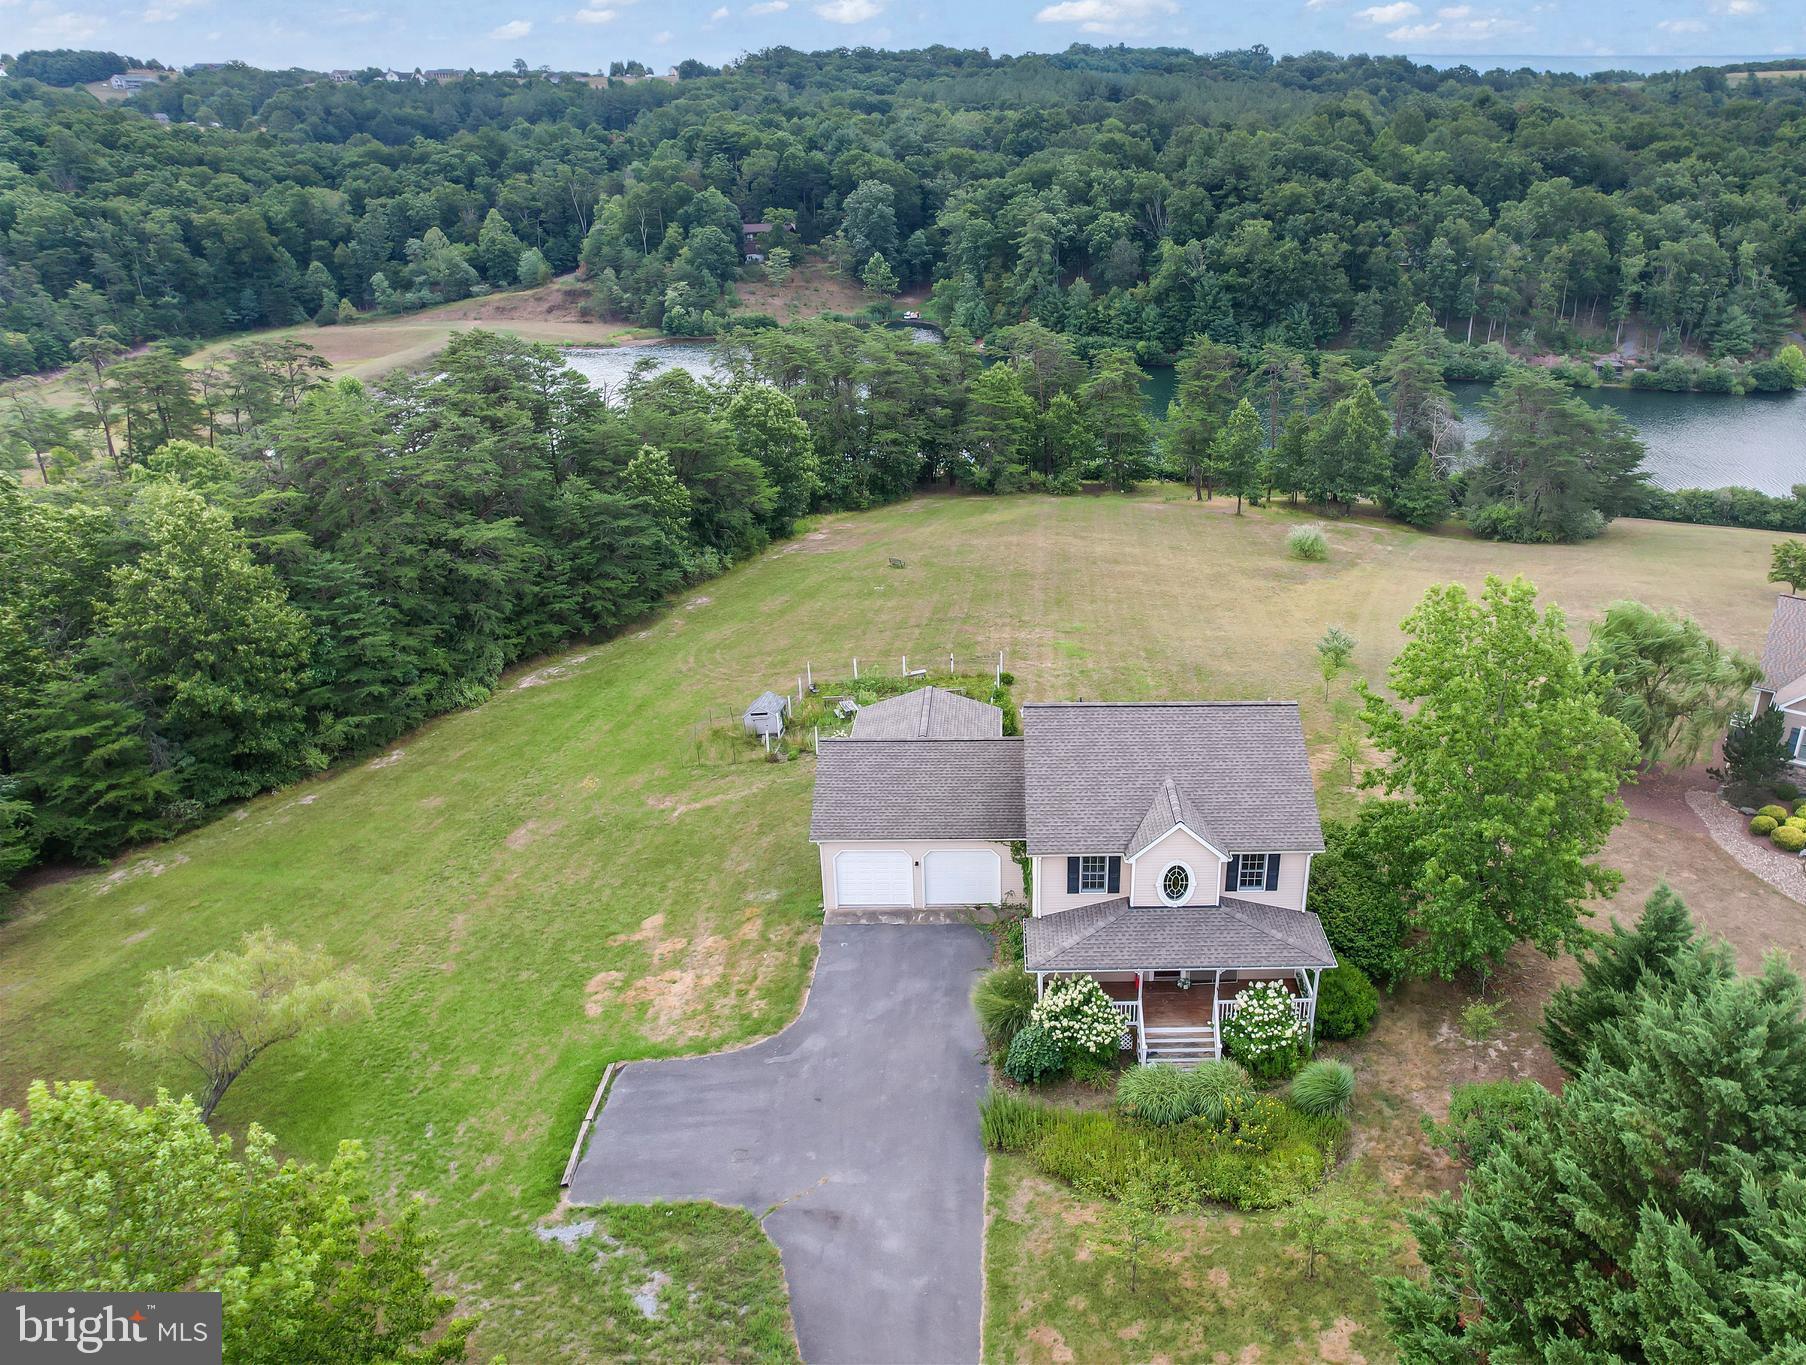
x: 514, y: 28
x: 849, y: 11
x: 168, y: 11
x: 1108, y: 16
x: 1681, y: 25
x: 1469, y: 27
x: 1738, y: 9
x: 662, y: 37
x: 765, y: 7
x: 49, y: 27
x: 596, y: 16
x: 1455, y: 12
x: 717, y: 15
x: 1389, y: 14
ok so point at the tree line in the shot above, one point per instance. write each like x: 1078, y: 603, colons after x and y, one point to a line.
x: 1132, y: 199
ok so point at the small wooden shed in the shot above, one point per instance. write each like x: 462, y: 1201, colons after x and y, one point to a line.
x: 766, y: 715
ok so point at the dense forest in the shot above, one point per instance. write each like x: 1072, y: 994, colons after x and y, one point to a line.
x: 1130, y: 198
x: 227, y: 575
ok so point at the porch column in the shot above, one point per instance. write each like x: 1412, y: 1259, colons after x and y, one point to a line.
x: 1216, y: 991
x: 1141, y: 1021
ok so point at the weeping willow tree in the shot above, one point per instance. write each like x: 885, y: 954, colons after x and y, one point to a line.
x: 1668, y: 681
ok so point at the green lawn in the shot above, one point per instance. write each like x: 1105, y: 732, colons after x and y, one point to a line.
x: 582, y: 870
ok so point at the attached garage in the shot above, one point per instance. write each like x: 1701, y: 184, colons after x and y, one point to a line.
x: 962, y: 876
x: 874, y: 877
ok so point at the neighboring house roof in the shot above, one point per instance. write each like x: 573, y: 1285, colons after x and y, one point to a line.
x: 918, y: 789
x: 1171, y: 809
x: 1784, y: 653
x: 1095, y: 770
x: 1113, y: 936
x: 752, y: 229
x: 928, y: 713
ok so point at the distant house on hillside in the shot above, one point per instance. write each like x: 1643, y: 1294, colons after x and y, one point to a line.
x: 441, y: 74
x: 1783, y: 681
x: 136, y: 79
x: 341, y: 76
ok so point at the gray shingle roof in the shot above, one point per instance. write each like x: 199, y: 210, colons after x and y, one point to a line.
x: 1112, y: 936
x: 1094, y: 769
x: 1171, y: 807
x: 1784, y: 653
x: 928, y: 713
x: 918, y: 789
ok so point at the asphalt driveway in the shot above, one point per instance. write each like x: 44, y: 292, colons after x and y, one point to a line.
x: 857, y: 1126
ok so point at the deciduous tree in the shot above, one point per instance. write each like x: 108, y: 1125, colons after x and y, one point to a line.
x: 1500, y: 740
x: 222, y: 1012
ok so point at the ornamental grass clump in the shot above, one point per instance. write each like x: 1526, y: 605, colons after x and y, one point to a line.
x: 1214, y: 1084
x: 1078, y: 1017
x: 1265, y: 1033
x: 1307, y: 543
x: 1156, y: 1094
x: 1003, y: 1000
x: 1324, y: 1089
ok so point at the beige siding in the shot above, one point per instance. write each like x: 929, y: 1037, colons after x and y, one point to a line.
x: 1177, y: 846
x: 1140, y: 880
x: 1009, y: 876
x: 1291, y: 891
x: 1051, y: 895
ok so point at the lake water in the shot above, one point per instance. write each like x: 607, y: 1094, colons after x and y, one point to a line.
x: 1697, y: 440
x: 1694, y: 440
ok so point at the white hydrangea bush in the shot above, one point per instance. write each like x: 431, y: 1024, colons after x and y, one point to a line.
x: 1265, y: 1033
x: 1079, y: 1017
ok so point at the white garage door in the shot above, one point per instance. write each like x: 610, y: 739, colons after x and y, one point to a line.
x: 873, y: 877
x: 961, y: 876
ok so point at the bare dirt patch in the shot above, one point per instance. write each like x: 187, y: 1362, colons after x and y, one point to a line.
x: 698, y: 981
x: 1050, y: 1341
x: 1334, y: 1342
x: 388, y: 760
x: 532, y: 832
x: 599, y: 991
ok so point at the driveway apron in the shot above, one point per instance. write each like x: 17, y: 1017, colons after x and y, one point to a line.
x: 857, y: 1127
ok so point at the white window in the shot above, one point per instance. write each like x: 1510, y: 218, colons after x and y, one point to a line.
x: 1094, y: 873
x: 1251, y: 875
x: 1175, y: 884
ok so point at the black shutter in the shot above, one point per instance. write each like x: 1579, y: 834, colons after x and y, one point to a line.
x: 1072, y: 876
x: 1115, y: 876
x: 1272, y: 872
x: 1232, y: 871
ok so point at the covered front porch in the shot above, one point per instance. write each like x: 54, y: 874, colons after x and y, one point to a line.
x: 1176, y: 975
x: 1176, y: 1014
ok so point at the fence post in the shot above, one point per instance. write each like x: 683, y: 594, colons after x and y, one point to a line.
x: 799, y: 689
x: 999, y: 679
x: 906, y: 665
x: 817, y: 748
x: 855, y: 668
x: 949, y: 663
x: 809, y: 672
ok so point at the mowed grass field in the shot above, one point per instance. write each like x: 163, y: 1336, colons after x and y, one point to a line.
x: 586, y: 868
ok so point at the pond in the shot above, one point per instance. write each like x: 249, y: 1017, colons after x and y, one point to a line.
x: 1697, y: 440
x: 1694, y: 440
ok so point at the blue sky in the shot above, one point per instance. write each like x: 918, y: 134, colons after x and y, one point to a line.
x: 588, y: 34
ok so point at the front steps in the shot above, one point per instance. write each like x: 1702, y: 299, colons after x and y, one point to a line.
x: 1180, y: 1046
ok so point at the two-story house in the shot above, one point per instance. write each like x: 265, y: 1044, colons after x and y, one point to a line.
x: 1165, y: 846
x: 1783, y: 682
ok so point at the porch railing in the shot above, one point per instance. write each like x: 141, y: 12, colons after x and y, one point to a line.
x: 1130, y: 1010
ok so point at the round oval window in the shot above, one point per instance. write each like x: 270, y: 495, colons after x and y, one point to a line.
x: 1175, y: 883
